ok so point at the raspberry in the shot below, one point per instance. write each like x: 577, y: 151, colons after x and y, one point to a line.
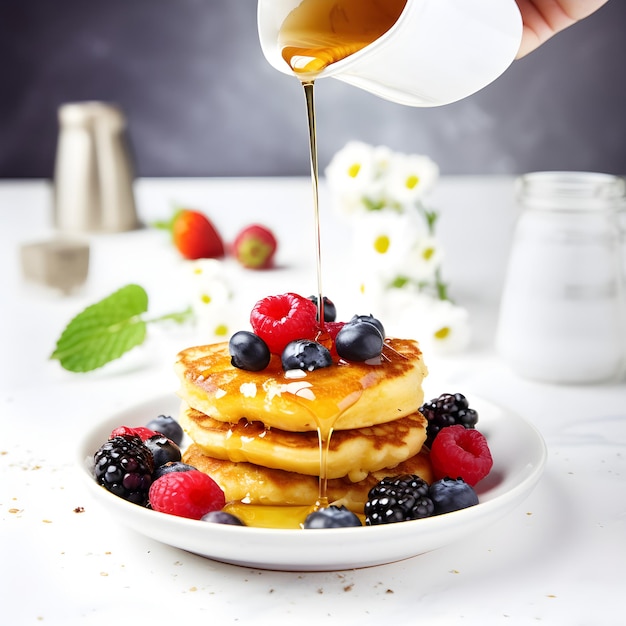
x: 123, y: 466
x: 398, y: 499
x: 461, y: 452
x: 446, y: 410
x: 281, y: 319
x: 328, y: 336
x: 139, y: 431
x: 189, y: 494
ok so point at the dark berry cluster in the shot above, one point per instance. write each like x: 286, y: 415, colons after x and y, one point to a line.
x: 144, y: 465
x: 409, y: 497
x: 124, y: 466
x: 127, y: 462
x: 449, y: 409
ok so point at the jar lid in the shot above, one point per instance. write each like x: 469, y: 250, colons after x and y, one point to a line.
x: 571, y: 190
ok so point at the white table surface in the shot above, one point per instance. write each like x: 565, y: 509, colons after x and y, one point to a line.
x: 559, y: 558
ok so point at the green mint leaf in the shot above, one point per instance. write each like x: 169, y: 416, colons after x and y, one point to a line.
x: 104, y: 331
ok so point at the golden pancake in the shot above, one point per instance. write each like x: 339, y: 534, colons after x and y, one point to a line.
x: 344, y: 396
x: 353, y: 453
x: 255, y: 484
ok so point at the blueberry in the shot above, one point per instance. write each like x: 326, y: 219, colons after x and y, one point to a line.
x: 369, y: 319
x: 330, y: 311
x: 163, y: 450
x: 221, y: 517
x: 303, y: 354
x: 248, y: 351
x: 359, y: 341
x: 332, y: 517
x: 168, y: 426
x: 449, y: 494
x: 169, y: 467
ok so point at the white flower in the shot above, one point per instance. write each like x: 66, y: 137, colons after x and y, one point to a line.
x: 405, y: 311
x: 383, y: 240
x: 410, y: 177
x: 353, y: 174
x: 211, y: 299
x: 424, y: 259
x: 208, y: 285
x: 440, y: 326
x: 447, y: 328
x: 399, y: 258
x: 383, y: 158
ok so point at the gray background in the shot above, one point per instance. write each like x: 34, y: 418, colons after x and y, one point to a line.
x: 202, y: 101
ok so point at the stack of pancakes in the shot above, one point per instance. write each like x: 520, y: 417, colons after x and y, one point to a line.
x: 256, y: 433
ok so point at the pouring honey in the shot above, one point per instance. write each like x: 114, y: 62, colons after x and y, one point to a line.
x: 314, y: 35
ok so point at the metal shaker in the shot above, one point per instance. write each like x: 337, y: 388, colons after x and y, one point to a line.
x: 94, y: 172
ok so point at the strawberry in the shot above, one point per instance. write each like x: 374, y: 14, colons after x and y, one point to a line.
x: 255, y: 246
x: 194, y: 235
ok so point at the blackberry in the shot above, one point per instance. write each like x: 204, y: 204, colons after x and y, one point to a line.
x: 124, y: 466
x: 398, y: 499
x: 448, y: 409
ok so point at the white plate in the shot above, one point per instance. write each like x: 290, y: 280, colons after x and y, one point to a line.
x: 519, y: 454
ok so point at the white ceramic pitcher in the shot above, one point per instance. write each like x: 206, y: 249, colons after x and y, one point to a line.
x: 437, y: 52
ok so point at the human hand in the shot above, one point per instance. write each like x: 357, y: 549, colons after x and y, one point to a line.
x: 544, y: 18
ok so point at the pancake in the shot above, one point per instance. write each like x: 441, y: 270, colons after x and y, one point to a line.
x: 347, y: 395
x: 255, y: 484
x: 354, y: 453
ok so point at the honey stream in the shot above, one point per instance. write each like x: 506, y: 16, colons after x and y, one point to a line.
x: 314, y: 35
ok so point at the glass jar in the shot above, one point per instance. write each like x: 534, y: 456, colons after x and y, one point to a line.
x: 563, y: 309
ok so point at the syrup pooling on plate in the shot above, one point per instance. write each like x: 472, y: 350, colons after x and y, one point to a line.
x: 318, y: 33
